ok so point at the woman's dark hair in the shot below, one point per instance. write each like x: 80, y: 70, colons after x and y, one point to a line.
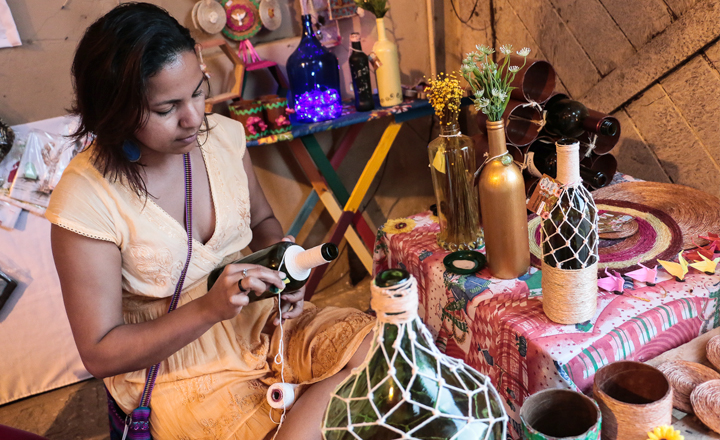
x: 112, y: 65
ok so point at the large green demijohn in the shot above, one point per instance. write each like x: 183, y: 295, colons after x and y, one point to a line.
x: 406, y: 387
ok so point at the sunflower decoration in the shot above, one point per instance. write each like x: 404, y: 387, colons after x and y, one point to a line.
x: 665, y: 432
x: 398, y: 226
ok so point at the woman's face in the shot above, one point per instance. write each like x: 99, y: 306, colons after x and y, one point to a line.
x: 176, y: 109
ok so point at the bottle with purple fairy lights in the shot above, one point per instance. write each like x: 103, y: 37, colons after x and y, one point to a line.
x: 314, y: 79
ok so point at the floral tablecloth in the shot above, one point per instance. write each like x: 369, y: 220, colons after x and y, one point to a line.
x: 499, y: 328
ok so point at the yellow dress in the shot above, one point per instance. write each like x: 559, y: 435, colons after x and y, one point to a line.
x: 215, y: 387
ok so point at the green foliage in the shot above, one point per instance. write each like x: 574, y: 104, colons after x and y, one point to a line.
x: 376, y: 7
x: 491, y: 81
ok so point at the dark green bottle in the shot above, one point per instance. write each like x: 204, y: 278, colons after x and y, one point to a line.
x: 286, y: 257
x: 406, y: 387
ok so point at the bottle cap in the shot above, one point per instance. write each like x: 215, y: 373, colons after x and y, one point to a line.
x: 354, y: 37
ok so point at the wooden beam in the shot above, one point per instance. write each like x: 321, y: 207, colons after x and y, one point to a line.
x: 633, y: 154
x: 563, y: 51
x: 697, y: 28
x: 640, y: 20
x: 681, y: 154
x: 596, y: 31
x: 694, y: 89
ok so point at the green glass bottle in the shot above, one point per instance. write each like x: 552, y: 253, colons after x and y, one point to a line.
x: 570, y: 238
x: 406, y: 387
x: 286, y: 257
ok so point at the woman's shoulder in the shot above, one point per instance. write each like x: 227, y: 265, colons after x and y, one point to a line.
x: 225, y: 131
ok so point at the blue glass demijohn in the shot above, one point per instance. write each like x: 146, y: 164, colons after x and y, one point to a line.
x: 314, y: 79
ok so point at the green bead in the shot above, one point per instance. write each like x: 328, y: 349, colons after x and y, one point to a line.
x: 506, y: 159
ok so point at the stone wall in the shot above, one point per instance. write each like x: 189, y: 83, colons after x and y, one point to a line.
x: 654, y: 64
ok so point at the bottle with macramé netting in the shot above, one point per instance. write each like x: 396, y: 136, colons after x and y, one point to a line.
x: 407, y: 388
x: 569, y: 235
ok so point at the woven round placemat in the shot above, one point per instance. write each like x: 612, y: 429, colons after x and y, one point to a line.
x: 695, y: 212
x: 658, y: 237
x: 705, y: 398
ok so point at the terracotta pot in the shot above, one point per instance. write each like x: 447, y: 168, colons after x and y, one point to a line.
x: 250, y: 114
x: 275, y: 111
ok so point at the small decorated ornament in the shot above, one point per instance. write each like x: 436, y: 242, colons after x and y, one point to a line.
x: 270, y: 14
x: 242, y: 19
x: 209, y: 15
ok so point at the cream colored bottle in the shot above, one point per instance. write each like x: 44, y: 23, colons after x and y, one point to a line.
x: 388, y: 72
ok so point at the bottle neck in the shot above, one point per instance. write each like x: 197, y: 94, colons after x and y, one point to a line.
x: 307, y: 26
x: 299, y: 262
x: 496, y: 138
x: 380, y: 22
x: 356, y: 45
x: 452, y: 129
x: 608, y: 128
x: 568, y: 163
x: 395, y: 304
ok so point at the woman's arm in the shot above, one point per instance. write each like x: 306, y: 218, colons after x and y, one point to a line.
x: 90, y: 278
x: 265, y: 226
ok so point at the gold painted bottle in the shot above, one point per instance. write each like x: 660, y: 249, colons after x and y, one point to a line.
x: 452, y: 165
x: 388, y: 68
x: 502, y: 206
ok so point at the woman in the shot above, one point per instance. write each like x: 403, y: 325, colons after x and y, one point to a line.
x: 120, y: 245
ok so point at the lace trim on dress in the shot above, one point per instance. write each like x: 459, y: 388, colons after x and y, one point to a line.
x: 85, y: 234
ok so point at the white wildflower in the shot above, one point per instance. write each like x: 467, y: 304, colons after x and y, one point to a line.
x: 513, y: 69
x: 501, y: 96
x: 506, y: 49
x: 479, y: 93
x: 495, y: 92
x: 484, y: 49
x: 525, y: 51
x: 466, y: 69
x: 481, y: 103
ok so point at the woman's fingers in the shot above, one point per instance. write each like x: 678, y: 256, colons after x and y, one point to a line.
x: 237, y: 272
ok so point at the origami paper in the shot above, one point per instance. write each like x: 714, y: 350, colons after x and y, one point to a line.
x: 678, y: 270
x: 644, y: 275
x: 706, y: 265
x: 612, y: 283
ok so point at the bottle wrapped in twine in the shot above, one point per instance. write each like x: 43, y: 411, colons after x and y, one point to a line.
x: 570, y: 245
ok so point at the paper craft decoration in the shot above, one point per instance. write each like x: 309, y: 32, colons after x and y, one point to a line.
x: 644, y: 275
x: 706, y: 251
x: 243, y: 19
x: 706, y: 265
x: 713, y: 238
x: 9, y: 36
x: 678, y: 270
x: 613, y: 282
x: 270, y: 14
x: 209, y: 16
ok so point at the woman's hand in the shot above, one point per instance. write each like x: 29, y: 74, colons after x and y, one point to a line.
x: 291, y: 303
x: 229, y: 294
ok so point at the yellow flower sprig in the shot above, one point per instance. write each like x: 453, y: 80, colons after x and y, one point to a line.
x: 444, y: 93
x: 665, y: 432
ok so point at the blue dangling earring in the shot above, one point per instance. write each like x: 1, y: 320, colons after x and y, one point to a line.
x: 131, y: 151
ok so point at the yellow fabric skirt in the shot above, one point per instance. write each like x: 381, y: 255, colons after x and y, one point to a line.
x: 215, y: 387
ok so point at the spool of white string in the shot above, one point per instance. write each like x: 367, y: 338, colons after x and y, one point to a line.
x: 281, y: 395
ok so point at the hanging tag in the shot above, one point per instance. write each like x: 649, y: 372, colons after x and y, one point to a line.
x: 439, y: 160
x: 374, y: 61
x: 546, y: 194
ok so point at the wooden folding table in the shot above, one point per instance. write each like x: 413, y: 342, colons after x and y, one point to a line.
x: 343, y: 205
